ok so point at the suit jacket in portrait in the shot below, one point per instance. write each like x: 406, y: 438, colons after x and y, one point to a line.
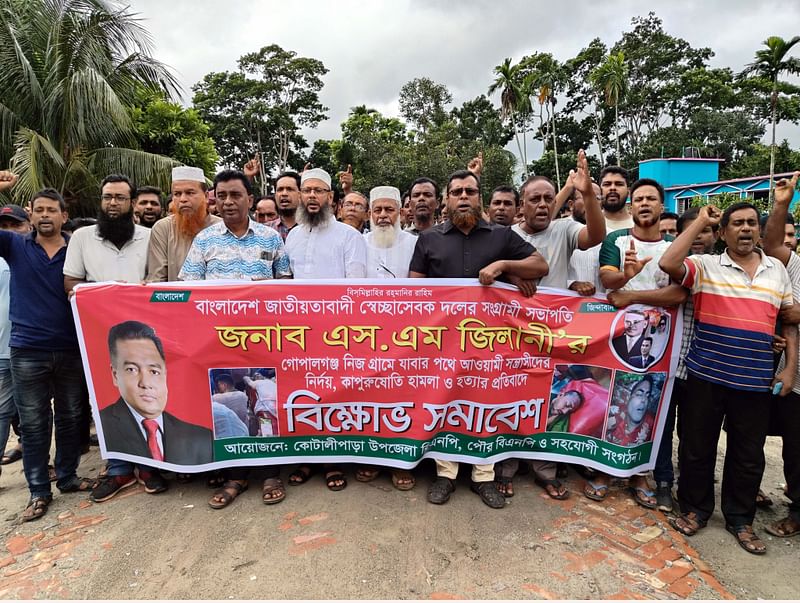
x: 184, y: 443
x: 620, y: 344
x: 639, y: 362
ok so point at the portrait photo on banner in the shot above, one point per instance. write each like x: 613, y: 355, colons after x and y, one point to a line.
x: 634, y: 406
x: 579, y: 399
x: 639, y: 336
x: 243, y: 402
x: 138, y: 422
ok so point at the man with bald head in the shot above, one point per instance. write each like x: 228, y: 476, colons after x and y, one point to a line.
x: 266, y: 210
x: 171, y: 237
x: 354, y: 210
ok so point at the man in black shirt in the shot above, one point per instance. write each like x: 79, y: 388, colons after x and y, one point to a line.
x: 465, y: 246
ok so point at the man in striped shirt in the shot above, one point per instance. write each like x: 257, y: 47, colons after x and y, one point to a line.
x: 737, y: 297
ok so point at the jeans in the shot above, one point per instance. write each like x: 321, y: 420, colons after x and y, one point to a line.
x: 37, y: 373
x: 664, y: 471
x: 7, y: 408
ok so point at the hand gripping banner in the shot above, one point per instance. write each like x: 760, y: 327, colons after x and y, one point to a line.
x: 195, y: 376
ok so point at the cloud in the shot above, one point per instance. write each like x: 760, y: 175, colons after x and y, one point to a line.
x: 373, y: 48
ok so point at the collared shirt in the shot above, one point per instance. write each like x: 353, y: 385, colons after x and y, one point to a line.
x: 168, y: 249
x: 390, y: 262
x: 556, y: 243
x: 94, y: 259
x: 612, y: 257
x: 735, y: 319
x: 334, y: 250
x: 139, y: 421
x: 41, y: 317
x: 445, y: 252
x: 412, y: 229
x: 282, y: 229
x: 216, y: 253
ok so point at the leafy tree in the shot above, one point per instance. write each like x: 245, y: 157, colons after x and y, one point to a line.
x: 770, y: 64
x: 168, y: 129
x: 514, y: 101
x: 67, y: 71
x: 422, y: 103
x: 761, y: 157
x: 546, y: 164
x: 261, y: 107
x: 612, y: 78
x: 478, y: 120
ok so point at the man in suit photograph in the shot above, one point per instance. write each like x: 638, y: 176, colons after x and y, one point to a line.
x: 629, y: 344
x: 644, y: 359
x: 136, y: 423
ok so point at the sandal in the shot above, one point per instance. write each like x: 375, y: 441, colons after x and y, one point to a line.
x: 12, y: 455
x: 79, y: 484
x: 440, y: 490
x: 505, y: 485
x: 301, y: 475
x: 273, y: 491
x: 335, y: 480
x: 225, y: 495
x: 643, y: 496
x: 402, y: 479
x: 762, y: 500
x: 748, y: 539
x: 489, y: 494
x: 554, y: 488
x: 215, y: 479
x: 595, y: 491
x: 784, y: 528
x: 367, y: 473
x: 687, y: 524
x: 36, y: 508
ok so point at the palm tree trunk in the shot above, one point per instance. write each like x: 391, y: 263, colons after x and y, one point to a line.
x: 772, y: 147
x: 555, y: 147
x: 616, y: 131
x: 599, y: 138
x: 519, y: 146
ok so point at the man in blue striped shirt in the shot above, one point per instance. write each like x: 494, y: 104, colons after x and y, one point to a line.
x: 238, y: 249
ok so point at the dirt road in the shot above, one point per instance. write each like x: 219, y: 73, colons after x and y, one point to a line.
x: 371, y: 541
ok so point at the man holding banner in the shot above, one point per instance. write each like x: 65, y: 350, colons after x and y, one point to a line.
x: 465, y: 246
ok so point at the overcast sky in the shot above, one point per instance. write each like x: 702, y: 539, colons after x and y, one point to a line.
x: 372, y: 47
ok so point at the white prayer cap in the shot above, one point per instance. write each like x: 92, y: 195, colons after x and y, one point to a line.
x: 184, y: 172
x: 384, y: 192
x: 316, y: 174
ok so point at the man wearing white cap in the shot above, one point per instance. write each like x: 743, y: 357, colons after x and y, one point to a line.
x: 389, y: 248
x: 171, y: 237
x: 321, y: 247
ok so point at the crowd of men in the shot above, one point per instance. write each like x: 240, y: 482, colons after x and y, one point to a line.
x: 736, y: 276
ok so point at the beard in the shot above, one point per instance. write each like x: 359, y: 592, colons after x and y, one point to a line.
x: 384, y: 237
x: 188, y: 225
x: 287, y: 212
x: 613, y: 205
x: 465, y: 220
x: 316, y: 220
x: 117, y: 230
x: 645, y: 222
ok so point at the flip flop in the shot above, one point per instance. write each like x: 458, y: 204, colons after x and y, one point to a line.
x: 402, y: 474
x: 594, y: 493
x: 640, y: 495
x: 12, y: 455
x: 298, y: 476
x: 554, y: 483
x: 225, y: 496
x: 331, y: 477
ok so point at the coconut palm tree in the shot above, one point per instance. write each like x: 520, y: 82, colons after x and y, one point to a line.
x: 545, y: 77
x: 771, y: 62
x: 69, y: 70
x: 513, y: 100
x: 611, y: 77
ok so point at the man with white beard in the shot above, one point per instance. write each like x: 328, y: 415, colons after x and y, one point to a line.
x: 389, y: 248
x: 389, y: 251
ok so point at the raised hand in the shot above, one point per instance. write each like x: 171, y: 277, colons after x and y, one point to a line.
x: 7, y: 180
x: 710, y: 215
x: 253, y: 167
x: 475, y: 164
x: 784, y: 189
x: 633, y: 265
x: 307, y: 167
x: 581, y: 180
x: 346, y: 179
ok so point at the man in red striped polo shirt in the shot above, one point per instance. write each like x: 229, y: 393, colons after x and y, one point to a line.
x: 737, y: 296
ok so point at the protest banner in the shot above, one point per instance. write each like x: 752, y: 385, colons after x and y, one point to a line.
x: 202, y: 375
